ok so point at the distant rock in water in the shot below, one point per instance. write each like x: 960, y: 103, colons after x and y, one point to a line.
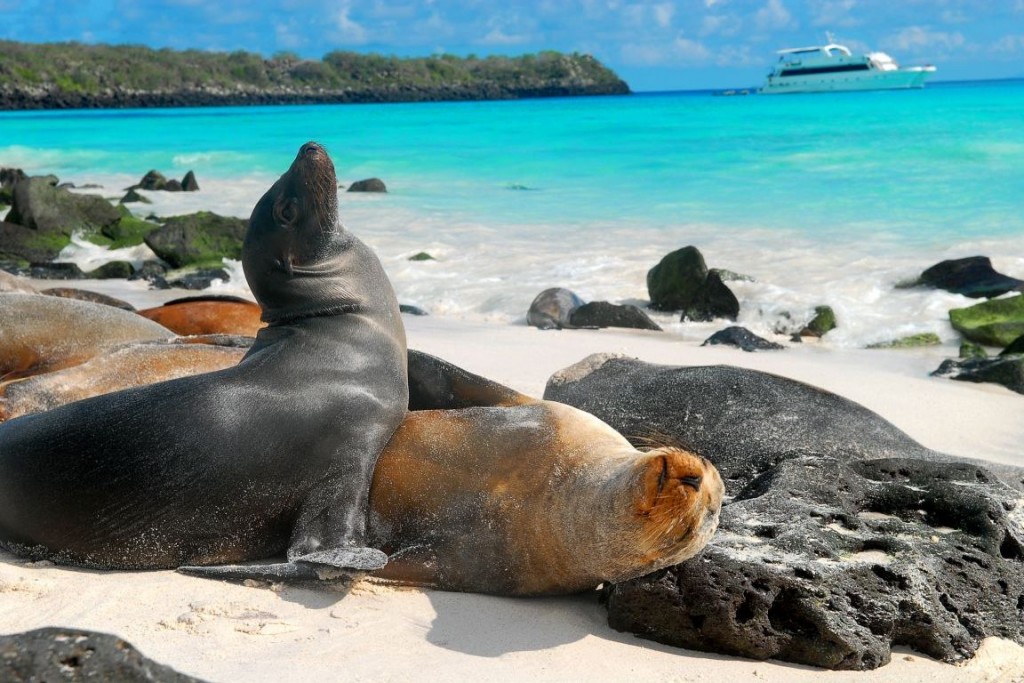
x: 189, y: 182
x: 552, y: 308
x: 605, y: 314
x: 70, y: 654
x: 1006, y: 370
x: 823, y: 322
x: 409, y: 309
x: 972, y: 276
x: 156, y: 181
x: 132, y: 196
x: 422, y: 256
x: 741, y: 338
x: 368, y: 185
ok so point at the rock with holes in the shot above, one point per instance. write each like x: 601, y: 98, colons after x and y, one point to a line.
x: 842, y: 537
x: 62, y: 654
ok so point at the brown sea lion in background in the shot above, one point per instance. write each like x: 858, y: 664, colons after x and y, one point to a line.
x: 208, y: 315
x: 13, y: 284
x: 131, y: 365
x: 86, y: 295
x: 44, y: 333
x: 271, y: 455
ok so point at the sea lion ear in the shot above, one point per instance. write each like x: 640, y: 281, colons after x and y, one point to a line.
x: 435, y: 384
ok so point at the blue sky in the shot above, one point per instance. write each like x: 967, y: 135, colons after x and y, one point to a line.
x: 659, y: 45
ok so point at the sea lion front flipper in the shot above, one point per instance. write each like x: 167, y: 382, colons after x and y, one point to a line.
x: 436, y: 384
x: 322, y: 565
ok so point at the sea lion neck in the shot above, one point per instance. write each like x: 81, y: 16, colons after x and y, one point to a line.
x: 295, y: 253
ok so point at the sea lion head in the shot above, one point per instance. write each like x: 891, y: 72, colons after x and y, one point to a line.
x: 293, y: 254
x: 673, y: 502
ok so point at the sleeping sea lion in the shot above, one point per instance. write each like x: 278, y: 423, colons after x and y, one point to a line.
x: 208, y: 315
x: 44, y: 333
x: 274, y: 453
x: 551, y: 309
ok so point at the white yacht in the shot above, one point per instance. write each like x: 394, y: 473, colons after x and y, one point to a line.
x: 832, y: 67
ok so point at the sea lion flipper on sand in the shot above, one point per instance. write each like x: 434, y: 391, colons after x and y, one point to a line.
x: 436, y: 384
x: 327, y: 565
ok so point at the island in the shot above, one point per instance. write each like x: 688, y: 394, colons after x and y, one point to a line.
x: 77, y: 76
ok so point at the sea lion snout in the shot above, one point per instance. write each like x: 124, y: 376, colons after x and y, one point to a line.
x: 311, y: 149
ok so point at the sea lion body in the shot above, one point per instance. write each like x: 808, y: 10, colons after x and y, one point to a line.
x: 274, y: 453
x: 533, y: 499
x: 208, y: 315
x: 552, y: 308
x: 41, y: 333
x: 131, y: 365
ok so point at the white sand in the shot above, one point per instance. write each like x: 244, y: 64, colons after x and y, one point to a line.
x: 223, y: 632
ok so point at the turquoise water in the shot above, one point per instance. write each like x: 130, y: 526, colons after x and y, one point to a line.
x: 932, y: 164
x: 820, y: 198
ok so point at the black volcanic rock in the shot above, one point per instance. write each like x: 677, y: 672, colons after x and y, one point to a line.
x: 972, y: 276
x: 605, y: 314
x: 741, y: 338
x: 712, y: 299
x: 69, y: 654
x: 842, y: 536
x: 368, y: 185
x: 1007, y: 370
x: 674, y: 282
x: 189, y: 183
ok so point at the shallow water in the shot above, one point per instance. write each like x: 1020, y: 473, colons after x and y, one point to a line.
x: 820, y: 198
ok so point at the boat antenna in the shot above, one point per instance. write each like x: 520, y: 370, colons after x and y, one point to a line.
x: 830, y: 37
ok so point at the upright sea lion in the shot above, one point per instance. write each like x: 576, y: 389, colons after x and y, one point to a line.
x: 43, y: 333
x: 208, y: 315
x: 241, y: 464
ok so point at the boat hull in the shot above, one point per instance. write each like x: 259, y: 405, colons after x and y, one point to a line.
x: 848, y: 81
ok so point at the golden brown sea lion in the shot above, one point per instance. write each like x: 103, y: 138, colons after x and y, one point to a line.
x: 208, y: 315
x: 43, y: 333
x: 134, y: 364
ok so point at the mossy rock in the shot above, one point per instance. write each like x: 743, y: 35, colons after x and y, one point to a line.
x: 673, y: 284
x: 18, y: 243
x: 824, y: 321
x: 198, y: 239
x: 972, y: 350
x: 422, y: 256
x: 129, y: 231
x: 994, y: 323
x: 912, y: 341
x: 111, y: 270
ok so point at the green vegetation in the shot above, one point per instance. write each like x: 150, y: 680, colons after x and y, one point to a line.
x: 69, y: 74
x: 912, y: 341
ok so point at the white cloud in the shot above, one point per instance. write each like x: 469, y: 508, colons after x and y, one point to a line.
x: 496, y: 36
x: 833, y: 13
x: 773, y: 16
x: 349, y: 31
x: 918, y: 38
x: 663, y: 14
x: 677, y: 52
x: 711, y: 3
x: 721, y: 24
x: 1009, y: 44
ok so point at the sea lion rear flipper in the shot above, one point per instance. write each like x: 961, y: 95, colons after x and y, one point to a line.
x: 323, y: 565
x: 435, y: 384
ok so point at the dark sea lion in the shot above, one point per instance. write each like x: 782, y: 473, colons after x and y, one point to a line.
x: 274, y: 453
x: 86, y: 295
x: 551, y: 309
x: 131, y: 365
x: 43, y: 333
x: 208, y: 315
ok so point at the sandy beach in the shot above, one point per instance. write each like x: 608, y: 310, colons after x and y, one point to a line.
x: 224, y: 632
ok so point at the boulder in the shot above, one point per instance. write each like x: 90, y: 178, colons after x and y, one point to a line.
x: 154, y: 180
x: 202, y: 238
x: 911, y: 341
x: 673, y: 283
x: 152, y: 271
x: 172, y: 185
x: 111, y: 270
x: 605, y: 314
x: 993, y: 323
x: 132, y: 196
x: 200, y: 278
x: 409, y: 309
x: 129, y: 231
x: 55, y: 271
x: 1007, y: 370
x: 972, y: 276
x: 48, y: 216
x: 422, y: 256
x: 8, y: 178
x: 189, y: 183
x: 368, y: 185
x: 71, y: 654
x: 972, y: 350
x: 1016, y: 346
x: 824, y: 321
x: 713, y: 299
x: 842, y: 536
x: 741, y: 338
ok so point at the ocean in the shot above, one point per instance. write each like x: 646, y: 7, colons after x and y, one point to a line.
x: 820, y: 199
